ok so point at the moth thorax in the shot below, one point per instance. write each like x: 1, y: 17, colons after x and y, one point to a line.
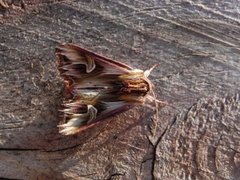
x: 134, y: 82
x: 135, y: 86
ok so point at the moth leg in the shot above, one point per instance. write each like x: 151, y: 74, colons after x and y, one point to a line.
x: 151, y: 99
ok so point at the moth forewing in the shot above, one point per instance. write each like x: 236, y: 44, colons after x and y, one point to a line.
x: 99, y: 87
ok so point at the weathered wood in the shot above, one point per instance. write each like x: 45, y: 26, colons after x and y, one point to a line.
x: 195, y: 137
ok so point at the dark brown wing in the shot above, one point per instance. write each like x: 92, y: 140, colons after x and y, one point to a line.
x: 78, y: 62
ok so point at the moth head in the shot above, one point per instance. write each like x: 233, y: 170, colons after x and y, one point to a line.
x: 150, y: 96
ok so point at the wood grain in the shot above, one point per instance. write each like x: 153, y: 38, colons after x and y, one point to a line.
x: 197, y: 46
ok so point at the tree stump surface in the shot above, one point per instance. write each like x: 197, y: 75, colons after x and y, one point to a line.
x: 195, y: 136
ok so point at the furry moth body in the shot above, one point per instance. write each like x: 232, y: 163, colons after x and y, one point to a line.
x: 97, y: 87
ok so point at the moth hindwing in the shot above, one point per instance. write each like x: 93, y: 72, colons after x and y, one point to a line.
x: 97, y: 87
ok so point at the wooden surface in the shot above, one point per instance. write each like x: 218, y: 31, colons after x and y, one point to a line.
x: 197, y: 46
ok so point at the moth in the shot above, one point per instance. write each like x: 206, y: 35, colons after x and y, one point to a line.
x: 97, y: 87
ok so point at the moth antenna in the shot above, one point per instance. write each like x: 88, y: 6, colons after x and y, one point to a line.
x: 148, y: 72
x: 156, y: 103
x: 151, y: 98
x: 156, y: 109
